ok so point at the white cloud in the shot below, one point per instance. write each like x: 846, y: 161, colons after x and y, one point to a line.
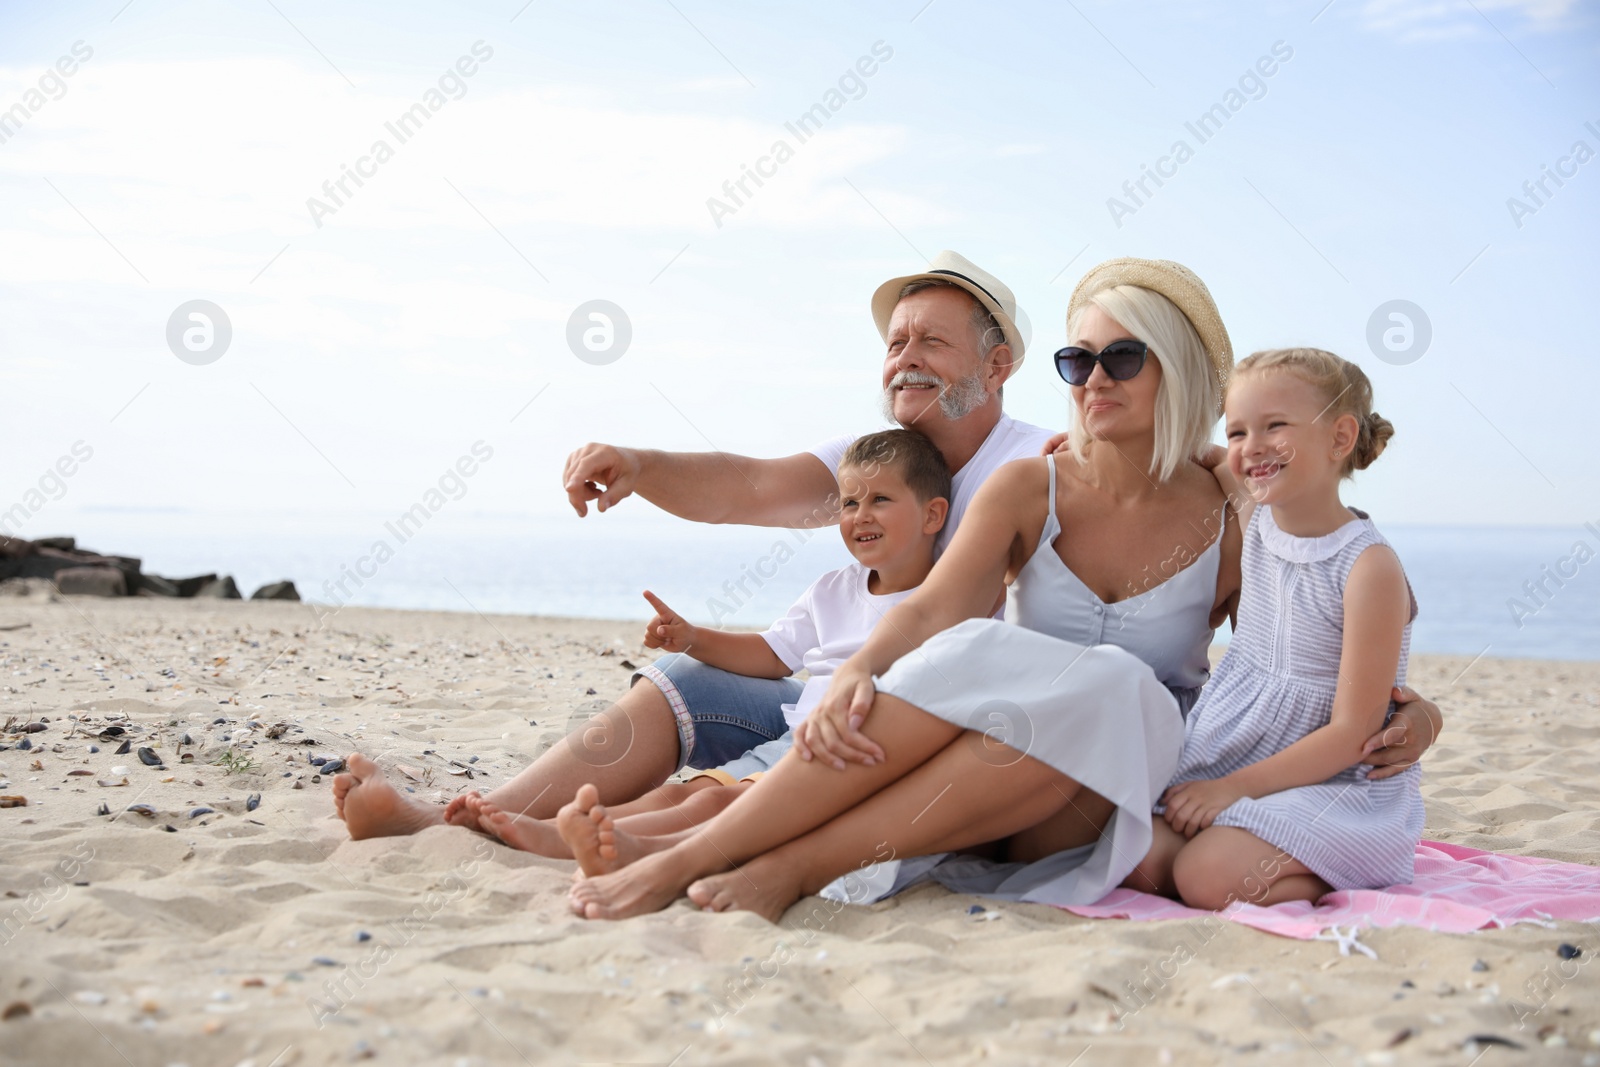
x: 1431, y: 20
x: 198, y: 172
x: 710, y: 85
x: 207, y: 148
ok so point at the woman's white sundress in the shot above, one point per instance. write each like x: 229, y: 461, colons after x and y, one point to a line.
x: 1096, y: 690
x: 1275, y: 685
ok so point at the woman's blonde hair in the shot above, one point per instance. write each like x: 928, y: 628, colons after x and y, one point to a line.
x: 1188, y: 397
x: 1342, y: 385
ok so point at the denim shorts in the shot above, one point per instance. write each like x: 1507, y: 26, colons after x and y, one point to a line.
x: 753, y: 764
x: 720, y: 715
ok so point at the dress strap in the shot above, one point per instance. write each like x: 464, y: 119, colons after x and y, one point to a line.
x: 1052, y: 526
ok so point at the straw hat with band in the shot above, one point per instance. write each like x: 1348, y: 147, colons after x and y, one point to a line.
x: 1178, y: 284
x: 958, y: 270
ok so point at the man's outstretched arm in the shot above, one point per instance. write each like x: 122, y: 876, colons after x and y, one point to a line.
x: 796, y: 491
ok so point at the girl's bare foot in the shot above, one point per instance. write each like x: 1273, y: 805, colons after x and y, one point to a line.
x: 371, y: 807
x: 522, y: 832
x: 763, y: 888
x: 648, y: 885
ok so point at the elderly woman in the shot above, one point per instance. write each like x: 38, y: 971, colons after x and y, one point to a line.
x: 1047, y: 737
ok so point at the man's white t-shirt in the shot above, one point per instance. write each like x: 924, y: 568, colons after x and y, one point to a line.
x: 827, y: 625
x: 1008, y: 440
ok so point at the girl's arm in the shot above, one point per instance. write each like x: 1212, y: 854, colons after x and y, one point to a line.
x: 966, y: 583
x: 1377, y: 607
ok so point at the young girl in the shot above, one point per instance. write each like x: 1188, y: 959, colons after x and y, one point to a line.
x: 1269, y: 802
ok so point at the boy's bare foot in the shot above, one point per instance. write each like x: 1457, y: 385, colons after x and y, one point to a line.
x: 648, y: 885
x: 474, y: 811
x: 522, y: 832
x: 594, y: 839
x: 762, y: 888
x: 463, y: 812
x: 589, y: 832
x: 371, y: 807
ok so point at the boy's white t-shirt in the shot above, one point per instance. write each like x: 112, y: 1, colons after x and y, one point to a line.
x: 1008, y: 440
x: 827, y: 625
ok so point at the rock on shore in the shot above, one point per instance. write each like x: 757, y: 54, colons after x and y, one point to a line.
x: 78, y: 571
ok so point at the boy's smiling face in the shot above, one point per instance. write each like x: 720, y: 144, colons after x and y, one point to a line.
x: 882, y: 521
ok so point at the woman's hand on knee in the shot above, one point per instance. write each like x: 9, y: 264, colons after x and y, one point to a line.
x: 818, y: 739
x: 832, y: 732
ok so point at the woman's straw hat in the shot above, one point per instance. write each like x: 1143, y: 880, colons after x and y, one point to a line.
x: 1178, y: 284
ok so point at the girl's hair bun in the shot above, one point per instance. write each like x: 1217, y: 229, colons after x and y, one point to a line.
x: 1375, y: 433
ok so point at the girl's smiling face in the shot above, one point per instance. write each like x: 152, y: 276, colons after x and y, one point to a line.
x: 1282, y: 438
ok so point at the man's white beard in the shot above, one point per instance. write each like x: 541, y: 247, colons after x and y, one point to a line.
x: 957, y: 399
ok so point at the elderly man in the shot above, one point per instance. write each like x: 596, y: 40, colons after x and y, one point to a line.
x: 952, y: 343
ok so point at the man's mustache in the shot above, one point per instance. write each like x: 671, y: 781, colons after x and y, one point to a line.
x: 915, y: 377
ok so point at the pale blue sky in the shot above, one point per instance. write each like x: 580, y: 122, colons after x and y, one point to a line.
x: 1374, y: 164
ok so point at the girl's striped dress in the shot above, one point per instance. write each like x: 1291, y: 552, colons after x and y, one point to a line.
x: 1275, y: 685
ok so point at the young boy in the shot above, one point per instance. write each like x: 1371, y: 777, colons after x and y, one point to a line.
x: 894, y: 491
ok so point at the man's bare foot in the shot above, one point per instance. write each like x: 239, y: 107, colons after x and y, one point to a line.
x: 371, y: 807
x: 594, y: 839
x: 522, y: 832
x: 760, y: 887
x: 648, y: 885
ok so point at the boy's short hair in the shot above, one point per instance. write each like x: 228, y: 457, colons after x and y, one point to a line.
x: 909, y: 454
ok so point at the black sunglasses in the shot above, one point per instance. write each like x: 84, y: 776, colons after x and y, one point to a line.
x: 1121, y: 359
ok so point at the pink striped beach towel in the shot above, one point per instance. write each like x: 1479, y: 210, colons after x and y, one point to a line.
x: 1456, y: 890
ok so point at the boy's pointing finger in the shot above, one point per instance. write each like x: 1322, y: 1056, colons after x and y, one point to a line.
x: 661, y: 609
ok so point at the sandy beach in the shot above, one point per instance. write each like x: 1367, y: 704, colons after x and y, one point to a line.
x: 232, y: 921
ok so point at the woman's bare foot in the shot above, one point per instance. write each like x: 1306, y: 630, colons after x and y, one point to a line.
x: 522, y: 832
x: 648, y: 885
x: 371, y: 807
x: 594, y: 839
x: 761, y: 887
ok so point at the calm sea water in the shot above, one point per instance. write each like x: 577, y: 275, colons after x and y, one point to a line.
x: 1466, y: 578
